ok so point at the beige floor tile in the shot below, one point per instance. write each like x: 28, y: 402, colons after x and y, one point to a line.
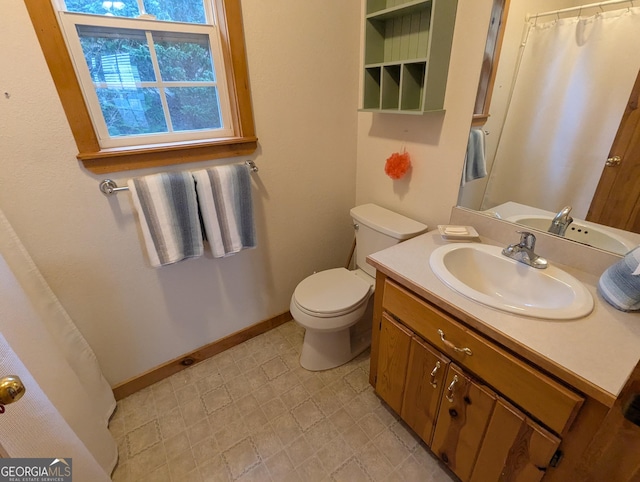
x: 143, y: 437
x: 335, y: 453
x: 307, y: 414
x: 374, y: 462
x: 181, y: 464
x: 240, y: 415
x: 147, y: 461
x: 231, y: 434
x: 356, y: 437
x: 274, y: 368
x: 216, y: 399
x: 299, y: 450
x: 295, y: 396
x: 205, y: 450
x: 392, y: 448
x: 193, y: 411
x: 176, y: 445
x: 238, y: 387
x: 241, y: 458
x: 351, y: 471
x: 321, y: 434
x: 259, y: 473
x: 341, y: 420
x: 215, y: 470
x: 266, y: 441
x: 312, y: 470
x: 286, y: 427
x: 280, y: 465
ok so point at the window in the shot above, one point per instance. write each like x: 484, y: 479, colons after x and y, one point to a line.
x: 149, y: 82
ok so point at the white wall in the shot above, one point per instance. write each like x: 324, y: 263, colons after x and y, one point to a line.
x: 304, y: 70
x: 435, y: 142
x: 303, y: 63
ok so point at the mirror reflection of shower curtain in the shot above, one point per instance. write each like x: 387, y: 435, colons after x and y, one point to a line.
x: 568, y: 99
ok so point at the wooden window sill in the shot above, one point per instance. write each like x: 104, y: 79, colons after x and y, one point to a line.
x: 154, y: 155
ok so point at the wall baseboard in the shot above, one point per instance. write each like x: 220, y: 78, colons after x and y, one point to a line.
x: 167, y: 369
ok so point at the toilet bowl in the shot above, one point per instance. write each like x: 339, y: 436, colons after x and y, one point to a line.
x: 335, y: 308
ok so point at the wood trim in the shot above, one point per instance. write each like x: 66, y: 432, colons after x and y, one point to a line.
x: 480, y: 118
x: 126, y: 159
x: 375, y: 331
x: 97, y: 160
x: 45, y: 23
x: 171, y: 367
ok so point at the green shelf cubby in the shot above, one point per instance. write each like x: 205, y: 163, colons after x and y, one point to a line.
x: 406, y: 54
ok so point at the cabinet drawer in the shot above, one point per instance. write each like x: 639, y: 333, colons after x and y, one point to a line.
x: 545, y: 399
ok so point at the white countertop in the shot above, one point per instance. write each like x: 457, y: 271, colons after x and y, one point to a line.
x: 600, y: 349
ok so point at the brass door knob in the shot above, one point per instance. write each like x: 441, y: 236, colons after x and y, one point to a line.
x: 613, y: 161
x: 11, y: 389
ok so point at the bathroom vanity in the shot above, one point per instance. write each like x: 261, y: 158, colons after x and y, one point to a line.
x: 491, y: 392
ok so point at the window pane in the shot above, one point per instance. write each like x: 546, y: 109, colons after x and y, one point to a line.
x: 184, y: 57
x: 128, y: 112
x: 118, y: 57
x: 118, y: 8
x: 194, y: 108
x: 190, y: 11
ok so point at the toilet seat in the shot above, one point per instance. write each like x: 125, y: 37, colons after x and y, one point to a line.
x: 331, y: 293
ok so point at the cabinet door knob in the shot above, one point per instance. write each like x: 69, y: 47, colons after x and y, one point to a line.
x: 448, y: 344
x: 434, y: 372
x: 452, y: 385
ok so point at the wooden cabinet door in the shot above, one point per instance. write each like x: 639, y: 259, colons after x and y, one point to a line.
x: 515, y: 449
x: 393, y: 356
x: 426, y: 375
x: 464, y: 413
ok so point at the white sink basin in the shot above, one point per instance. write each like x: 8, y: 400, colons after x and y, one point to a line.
x: 482, y: 273
x: 581, y: 231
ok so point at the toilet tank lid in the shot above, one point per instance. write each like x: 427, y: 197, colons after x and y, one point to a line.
x: 387, y: 222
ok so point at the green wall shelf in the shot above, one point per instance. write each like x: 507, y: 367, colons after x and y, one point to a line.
x: 406, y: 54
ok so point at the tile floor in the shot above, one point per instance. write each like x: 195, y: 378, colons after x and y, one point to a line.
x: 252, y: 413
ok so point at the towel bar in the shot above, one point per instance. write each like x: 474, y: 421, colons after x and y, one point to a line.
x: 109, y: 187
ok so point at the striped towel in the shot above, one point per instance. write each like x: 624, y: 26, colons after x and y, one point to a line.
x: 475, y: 165
x: 620, y: 283
x: 224, y: 197
x: 168, y: 212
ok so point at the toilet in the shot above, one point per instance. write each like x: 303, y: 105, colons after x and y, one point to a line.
x: 335, y: 306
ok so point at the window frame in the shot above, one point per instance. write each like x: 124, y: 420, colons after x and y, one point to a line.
x: 104, y: 160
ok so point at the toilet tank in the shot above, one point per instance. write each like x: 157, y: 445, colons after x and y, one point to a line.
x: 379, y: 228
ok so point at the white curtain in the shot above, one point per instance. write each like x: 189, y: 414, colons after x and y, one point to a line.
x: 46, y: 340
x: 571, y: 90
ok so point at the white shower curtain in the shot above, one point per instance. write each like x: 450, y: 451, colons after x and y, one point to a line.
x: 43, y: 336
x: 570, y: 93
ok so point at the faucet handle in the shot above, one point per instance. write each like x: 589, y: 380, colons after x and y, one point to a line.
x: 527, y: 239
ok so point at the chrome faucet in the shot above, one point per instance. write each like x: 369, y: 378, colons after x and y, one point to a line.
x: 561, y: 221
x: 524, y: 251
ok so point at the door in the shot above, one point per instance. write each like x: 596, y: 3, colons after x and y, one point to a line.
x: 426, y: 374
x: 464, y: 413
x: 613, y: 452
x: 616, y: 202
x: 33, y: 427
x: 393, y: 356
x: 515, y: 448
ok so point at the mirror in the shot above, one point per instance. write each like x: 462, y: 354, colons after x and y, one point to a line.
x: 565, y: 170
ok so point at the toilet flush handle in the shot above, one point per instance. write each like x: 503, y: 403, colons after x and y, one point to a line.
x: 356, y: 226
